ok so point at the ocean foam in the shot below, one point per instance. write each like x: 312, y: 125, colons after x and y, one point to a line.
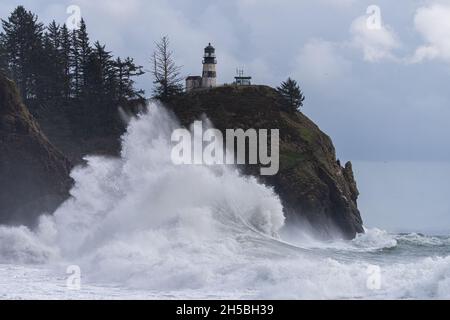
x: 142, y: 223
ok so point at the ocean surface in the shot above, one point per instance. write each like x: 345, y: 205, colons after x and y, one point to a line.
x: 140, y: 227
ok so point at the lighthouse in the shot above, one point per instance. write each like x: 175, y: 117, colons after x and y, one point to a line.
x: 209, y: 77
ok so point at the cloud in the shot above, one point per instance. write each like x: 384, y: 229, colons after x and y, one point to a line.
x: 376, y: 43
x: 433, y: 23
x: 320, y: 63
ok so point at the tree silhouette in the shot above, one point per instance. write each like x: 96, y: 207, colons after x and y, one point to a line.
x: 292, y: 94
x: 52, y: 77
x: 126, y: 70
x: 22, y: 43
x: 65, y: 52
x: 165, y: 72
x: 84, y: 49
x: 3, y: 57
x: 64, y: 79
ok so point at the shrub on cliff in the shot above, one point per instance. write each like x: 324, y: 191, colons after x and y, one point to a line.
x: 292, y: 94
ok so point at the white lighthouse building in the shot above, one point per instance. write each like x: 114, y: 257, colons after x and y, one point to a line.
x: 209, y: 76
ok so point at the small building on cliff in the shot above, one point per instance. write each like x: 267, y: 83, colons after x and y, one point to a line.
x: 241, y: 79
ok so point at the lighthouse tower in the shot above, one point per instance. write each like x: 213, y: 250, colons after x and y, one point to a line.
x: 209, y: 77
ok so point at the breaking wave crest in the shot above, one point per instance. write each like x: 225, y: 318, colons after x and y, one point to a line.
x: 141, y: 213
x: 141, y: 222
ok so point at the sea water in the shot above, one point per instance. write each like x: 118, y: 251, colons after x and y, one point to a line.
x: 140, y: 227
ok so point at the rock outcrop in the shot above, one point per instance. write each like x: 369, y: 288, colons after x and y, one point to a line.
x: 316, y: 191
x: 34, y: 175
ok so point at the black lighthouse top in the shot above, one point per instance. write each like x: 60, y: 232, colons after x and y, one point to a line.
x: 210, y: 55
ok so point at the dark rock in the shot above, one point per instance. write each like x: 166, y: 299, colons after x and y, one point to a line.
x: 78, y: 128
x: 34, y: 175
x: 315, y: 190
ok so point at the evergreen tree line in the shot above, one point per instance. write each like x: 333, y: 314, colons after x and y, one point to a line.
x: 55, y: 66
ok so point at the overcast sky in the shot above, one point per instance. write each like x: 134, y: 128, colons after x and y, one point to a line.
x: 381, y: 91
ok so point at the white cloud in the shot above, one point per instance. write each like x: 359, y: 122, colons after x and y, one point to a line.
x: 319, y: 63
x: 433, y: 23
x: 376, y: 43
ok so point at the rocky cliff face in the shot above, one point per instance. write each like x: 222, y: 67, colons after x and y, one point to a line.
x: 34, y: 176
x: 316, y: 190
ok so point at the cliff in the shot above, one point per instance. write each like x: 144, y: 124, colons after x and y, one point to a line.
x: 316, y: 191
x: 79, y: 128
x: 34, y: 175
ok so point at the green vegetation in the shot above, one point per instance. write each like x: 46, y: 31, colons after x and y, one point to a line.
x: 59, y: 73
x: 292, y: 94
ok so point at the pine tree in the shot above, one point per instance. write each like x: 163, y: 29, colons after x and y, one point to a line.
x: 126, y: 70
x: 46, y: 82
x: 292, y: 94
x: 120, y: 67
x: 53, y: 67
x: 22, y: 41
x: 3, y: 58
x: 53, y: 33
x: 75, y: 65
x: 98, y: 73
x: 65, y: 53
x: 85, y: 50
x: 52, y: 85
x: 80, y: 59
x: 166, y: 73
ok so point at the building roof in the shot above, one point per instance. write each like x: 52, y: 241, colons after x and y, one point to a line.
x: 193, y: 78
